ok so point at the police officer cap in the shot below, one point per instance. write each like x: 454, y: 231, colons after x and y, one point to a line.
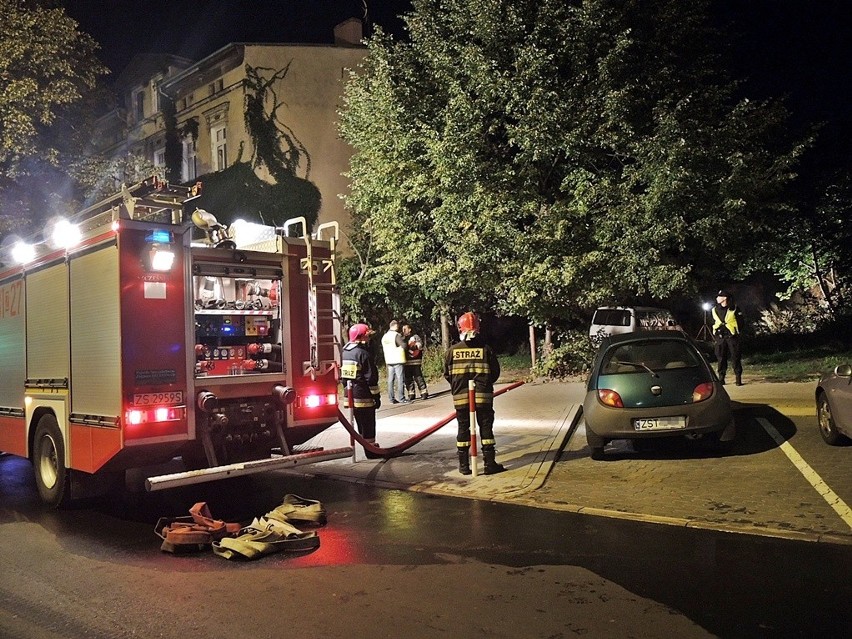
x: 723, y: 293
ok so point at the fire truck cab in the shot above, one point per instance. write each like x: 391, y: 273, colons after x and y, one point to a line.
x: 131, y: 341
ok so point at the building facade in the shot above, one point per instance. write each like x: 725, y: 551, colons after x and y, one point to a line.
x: 303, y: 88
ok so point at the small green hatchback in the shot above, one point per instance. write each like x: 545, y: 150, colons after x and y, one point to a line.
x: 650, y: 384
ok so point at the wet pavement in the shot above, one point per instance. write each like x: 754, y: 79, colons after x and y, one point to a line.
x: 540, y: 439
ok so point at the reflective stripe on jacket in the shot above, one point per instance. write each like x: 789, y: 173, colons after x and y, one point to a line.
x: 471, y: 360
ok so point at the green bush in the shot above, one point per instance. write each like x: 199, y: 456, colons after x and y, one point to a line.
x: 571, y: 358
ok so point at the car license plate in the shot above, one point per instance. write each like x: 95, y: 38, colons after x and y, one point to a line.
x: 660, y: 423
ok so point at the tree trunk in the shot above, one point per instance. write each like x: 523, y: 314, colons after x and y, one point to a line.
x: 532, y: 345
x: 445, y: 331
x: 548, y: 341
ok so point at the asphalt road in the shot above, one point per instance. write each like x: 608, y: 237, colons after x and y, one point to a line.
x: 401, y: 564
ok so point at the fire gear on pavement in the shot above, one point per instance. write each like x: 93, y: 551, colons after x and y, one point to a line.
x: 357, y: 366
x: 473, y: 359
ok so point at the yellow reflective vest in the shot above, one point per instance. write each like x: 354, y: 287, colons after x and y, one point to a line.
x: 730, y: 320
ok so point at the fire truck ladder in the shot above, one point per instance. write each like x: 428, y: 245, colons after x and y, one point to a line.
x: 325, y: 348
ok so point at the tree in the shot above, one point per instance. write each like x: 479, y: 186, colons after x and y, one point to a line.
x: 47, y: 67
x: 543, y: 156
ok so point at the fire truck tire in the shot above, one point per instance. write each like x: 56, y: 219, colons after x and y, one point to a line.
x: 51, y: 475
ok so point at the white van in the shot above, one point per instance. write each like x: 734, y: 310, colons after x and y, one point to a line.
x: 612, y: 320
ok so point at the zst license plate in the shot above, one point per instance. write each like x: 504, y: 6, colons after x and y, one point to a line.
x: 659, y: 423
x: 151, y: 399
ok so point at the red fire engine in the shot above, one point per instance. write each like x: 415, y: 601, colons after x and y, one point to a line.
x: 128, y: 343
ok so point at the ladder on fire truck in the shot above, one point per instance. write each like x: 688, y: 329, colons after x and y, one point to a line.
x: 151, y: 200
x: 325, y: 348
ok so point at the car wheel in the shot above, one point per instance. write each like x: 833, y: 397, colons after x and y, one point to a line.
x: 597, y: 453
x: 827, y: 428
x: 52, y: 477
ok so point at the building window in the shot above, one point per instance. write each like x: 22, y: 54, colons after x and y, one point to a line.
x: 155, y: 94
x: 215, y: 87
x: 188, y: 169
x: 160, y: 157
x: 139, y: 105
x: 218, y: 139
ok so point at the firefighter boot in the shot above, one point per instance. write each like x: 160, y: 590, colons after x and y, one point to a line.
x: 491, y: 466
x: 464, y: 462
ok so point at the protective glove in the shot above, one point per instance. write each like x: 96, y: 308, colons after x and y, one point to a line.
x: 377, y: 400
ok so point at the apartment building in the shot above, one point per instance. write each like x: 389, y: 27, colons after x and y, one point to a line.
x: 209, y: 98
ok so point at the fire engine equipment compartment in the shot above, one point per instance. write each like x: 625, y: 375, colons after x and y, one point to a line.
x: 139, y: 344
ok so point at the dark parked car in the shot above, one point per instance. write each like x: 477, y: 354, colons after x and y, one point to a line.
x: 651, y: 384
x: 834, y: 405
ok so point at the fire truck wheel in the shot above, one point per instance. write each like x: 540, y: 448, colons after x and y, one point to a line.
x: 52, y: 477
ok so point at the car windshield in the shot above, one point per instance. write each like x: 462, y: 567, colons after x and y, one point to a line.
x: 653, y: 355
x: 611, y: 317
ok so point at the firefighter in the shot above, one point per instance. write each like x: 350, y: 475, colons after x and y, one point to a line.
x: 357, y: 366
x: 413, y: 369
x: 727, y: 327
x: 473, y: 359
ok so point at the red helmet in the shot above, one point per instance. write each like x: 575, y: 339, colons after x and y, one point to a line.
x: 359, y: 332
x: 468, y: 325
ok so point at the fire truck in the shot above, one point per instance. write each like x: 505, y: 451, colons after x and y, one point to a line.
x: 144, y: 331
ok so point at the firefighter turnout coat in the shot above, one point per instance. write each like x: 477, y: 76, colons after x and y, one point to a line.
x: 357, y: 366
x: 471, y: 359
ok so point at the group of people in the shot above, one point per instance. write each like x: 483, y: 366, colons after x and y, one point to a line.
x: 404, y: 361
x: 469, y: 359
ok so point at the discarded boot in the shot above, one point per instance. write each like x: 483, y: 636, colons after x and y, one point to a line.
x: 491, y: 466
x: 464, y: 462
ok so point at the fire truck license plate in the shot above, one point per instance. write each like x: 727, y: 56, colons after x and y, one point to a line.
x: 152, y: 399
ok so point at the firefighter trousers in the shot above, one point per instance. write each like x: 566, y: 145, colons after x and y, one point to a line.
x: 485, y: 422
x: 365, y: 421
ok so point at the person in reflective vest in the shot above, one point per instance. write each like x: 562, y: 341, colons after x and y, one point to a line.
x: 393, y: 346
x: 413, y: 369
x: 727, y: 327
x: 473, y: 359
x: 357, y: 366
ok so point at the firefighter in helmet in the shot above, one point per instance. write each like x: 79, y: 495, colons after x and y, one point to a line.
x: 473, y: 359
x: 358, y: 367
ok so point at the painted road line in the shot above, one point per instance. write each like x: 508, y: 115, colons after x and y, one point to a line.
x: 832, y: 498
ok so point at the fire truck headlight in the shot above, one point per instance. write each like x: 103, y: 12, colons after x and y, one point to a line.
x: 65, y: 234
x: 161, y: 258
x: 23, y: 252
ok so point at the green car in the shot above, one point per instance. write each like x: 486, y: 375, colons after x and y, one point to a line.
x: 650, y: 384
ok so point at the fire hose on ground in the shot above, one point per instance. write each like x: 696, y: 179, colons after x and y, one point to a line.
x: 396, y: 451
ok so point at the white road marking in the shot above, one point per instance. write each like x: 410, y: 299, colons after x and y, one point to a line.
x: 832, y: 498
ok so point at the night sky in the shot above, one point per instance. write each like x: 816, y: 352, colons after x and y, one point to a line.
x: 797, y: 49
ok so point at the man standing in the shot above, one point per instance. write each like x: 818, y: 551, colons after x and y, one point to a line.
x: 413, y: 363
x: 393, y: 346
x: 727, y: 326
x: 357, y: 367
x: 473, y: 359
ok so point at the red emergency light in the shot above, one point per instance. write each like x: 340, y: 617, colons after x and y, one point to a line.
x: 154, y: 414
x: 315, y: 401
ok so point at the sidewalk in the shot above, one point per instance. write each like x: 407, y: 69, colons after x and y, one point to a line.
x: 534, y: 426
